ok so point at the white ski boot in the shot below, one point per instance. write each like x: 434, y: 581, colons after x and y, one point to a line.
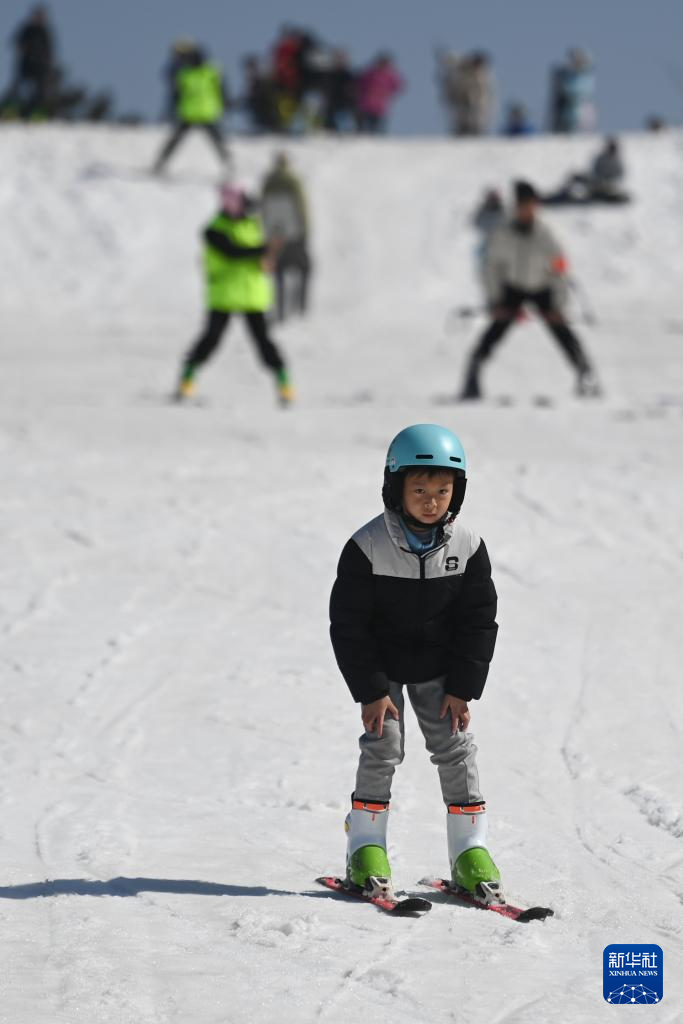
x: 472, y: 867
x: 367, y: 864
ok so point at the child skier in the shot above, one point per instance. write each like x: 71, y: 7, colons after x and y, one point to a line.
x: 236, y: 264
x: 413, y: 608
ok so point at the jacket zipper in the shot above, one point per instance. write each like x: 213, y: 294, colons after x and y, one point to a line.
x: 423, y: 558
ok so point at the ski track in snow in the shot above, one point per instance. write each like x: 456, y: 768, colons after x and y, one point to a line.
x: 176, y: 745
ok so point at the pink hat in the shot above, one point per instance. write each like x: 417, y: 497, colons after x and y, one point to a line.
x: 233, y: 200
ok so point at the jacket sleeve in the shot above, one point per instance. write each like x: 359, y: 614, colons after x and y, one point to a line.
x: 558, y: 266
x: 476, y: 629
x: 217, y: 240
x: 351, y: 627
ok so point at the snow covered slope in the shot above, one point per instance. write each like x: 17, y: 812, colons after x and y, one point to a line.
x: 176, y: 745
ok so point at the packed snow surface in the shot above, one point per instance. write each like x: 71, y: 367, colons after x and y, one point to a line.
x: 177, y: 747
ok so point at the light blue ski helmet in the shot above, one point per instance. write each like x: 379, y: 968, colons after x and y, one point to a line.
x: 428, y: 446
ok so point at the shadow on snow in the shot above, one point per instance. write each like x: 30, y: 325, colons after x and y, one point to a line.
x: 132, y: 887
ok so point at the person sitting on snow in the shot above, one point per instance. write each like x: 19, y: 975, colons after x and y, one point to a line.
x: 602, y: 183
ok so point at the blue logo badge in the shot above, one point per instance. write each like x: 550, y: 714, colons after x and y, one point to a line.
x: 633, y: 973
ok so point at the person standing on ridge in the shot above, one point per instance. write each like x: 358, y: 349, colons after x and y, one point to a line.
x: 236, y: 266
x: 199, y: 100
x: 467, y: 88
x: 339, y: 94
x: 29, y: 93
x: 285, y: 219
x: 572, y: 94
x: 376, y: 88
x: 524, y: 264
x: 290, y: 62
x: 259, y: 98
x: 413, y: 613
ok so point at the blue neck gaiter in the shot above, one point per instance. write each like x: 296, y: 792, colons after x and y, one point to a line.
x: 423, y: 542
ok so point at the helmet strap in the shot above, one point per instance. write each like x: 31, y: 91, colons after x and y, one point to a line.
x: 392, y: 494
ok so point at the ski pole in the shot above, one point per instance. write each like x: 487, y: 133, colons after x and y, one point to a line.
x: 586, y: 309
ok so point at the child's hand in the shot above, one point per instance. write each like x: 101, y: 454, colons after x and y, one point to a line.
x: 373, y: 714
x: 460, y: 716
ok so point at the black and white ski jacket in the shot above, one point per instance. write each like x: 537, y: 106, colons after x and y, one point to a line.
x: 408, y: 618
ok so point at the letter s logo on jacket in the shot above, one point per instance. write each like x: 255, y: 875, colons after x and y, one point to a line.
x: 451, y: 563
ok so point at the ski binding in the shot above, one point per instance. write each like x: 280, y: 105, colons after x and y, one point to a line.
x: 490, y: 899
x: 380, y: 895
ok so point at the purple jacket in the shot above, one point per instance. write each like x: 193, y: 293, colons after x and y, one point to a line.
x: 376, y: 87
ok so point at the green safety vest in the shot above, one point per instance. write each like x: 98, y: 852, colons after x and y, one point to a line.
x: 237, y: 285
x: 200, y: 94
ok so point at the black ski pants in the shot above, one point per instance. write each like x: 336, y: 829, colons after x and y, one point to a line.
x: 214, y: 329
x: 178, y: 134
x: 506, y: 314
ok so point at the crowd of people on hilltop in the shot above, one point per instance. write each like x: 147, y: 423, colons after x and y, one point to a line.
x: 303, y: 84
x: 467, y: 89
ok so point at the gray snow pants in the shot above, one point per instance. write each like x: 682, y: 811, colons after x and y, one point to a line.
x: 454, y: 756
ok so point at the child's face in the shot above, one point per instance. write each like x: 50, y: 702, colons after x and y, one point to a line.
x: 426, y: 496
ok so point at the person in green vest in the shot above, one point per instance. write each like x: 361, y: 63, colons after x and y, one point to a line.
x: 237, y: 263
x: 198, y: 99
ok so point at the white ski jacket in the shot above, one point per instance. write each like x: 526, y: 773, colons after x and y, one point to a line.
x: 530, y: 261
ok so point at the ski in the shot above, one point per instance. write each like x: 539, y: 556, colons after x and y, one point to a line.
x: 497, y: 401
x: 504, y: 909
x: 506, y: 401
x: 399, y: 907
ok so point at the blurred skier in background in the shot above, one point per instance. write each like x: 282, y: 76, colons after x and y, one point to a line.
x: 296, y: 58
x: 467, y: 90
x: 517, y: 121
x: 179, y: 57
x: 259, y: 99
x: 339, y: 94
x: 602, y: 183
x: 572, y: 94
x: 488, y: 216
x: 376, y: 87
x: 285, y: 219
x: 524, y: 264
x: 198, y: 99
x: 607, y: 173
x: 237, y: 263
x: 288, y: 58
x: 29, y: 93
